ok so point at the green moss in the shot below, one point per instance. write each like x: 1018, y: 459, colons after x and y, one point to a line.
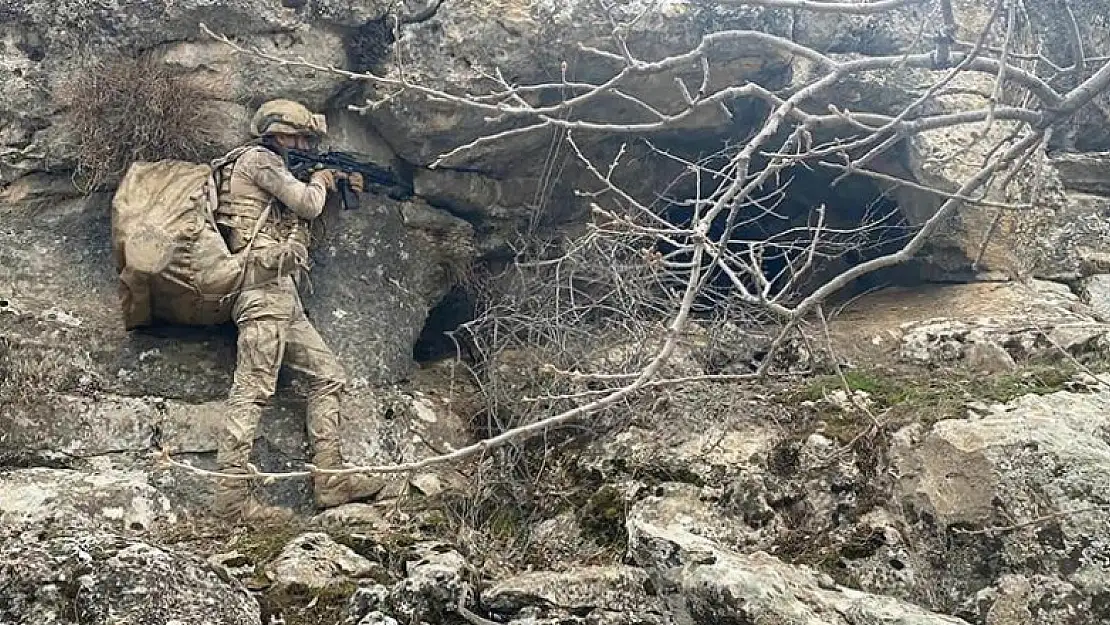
x: 603, y: 516
x: 903, y: 397
x: 898, y: 397
x: 265, y: 546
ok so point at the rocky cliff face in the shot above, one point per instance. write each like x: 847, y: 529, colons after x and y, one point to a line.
x: 956, y: 473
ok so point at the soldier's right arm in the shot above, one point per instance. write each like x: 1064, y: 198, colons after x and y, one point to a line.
x: 268, y: 172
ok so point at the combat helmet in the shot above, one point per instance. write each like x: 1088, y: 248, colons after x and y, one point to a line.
x: 287, y: 117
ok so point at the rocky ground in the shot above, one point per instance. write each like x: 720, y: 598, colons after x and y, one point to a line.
x: 941, y: 454
x: 954, y: 471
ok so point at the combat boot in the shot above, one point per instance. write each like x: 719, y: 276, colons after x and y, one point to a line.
x: 335, y: 490
x: 235, y: 500
x: 235, y: 503
x: 323, y: 429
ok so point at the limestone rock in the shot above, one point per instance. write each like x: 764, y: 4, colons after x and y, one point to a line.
x: 1019, y: 490
x: 375, y: 276
x: 760, y: 588
x: 712, y: 582
x: 436, y: 580
x: 434, y: 584
x: 119, y: 501
x: 1071, y: 246
x: 527, y: 40
x: 377, y: 618
x: 990, y: 325
x: 391, y: 425
x: 131, y: 23
x: 366, y: 604
x: 1084, y: 172
x: 706, y: 456
x: 110, y: 580
x: 1096, y: 292
x: 248, y: 78
x: 314, y: 561
x: 994, y: 345
x: 677, y: 527
x: 613, y: 595
x: 1021, y: 600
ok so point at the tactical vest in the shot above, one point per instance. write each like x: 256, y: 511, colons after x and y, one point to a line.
x: 238, y: 213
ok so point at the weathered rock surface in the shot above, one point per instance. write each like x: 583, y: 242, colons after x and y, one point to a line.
x: 1020, y: 491
x: 759, y: 587
x: 104, y: 579
x: 1096, y: 292
x: 706, y: 578
x: 314, y: 562
x: 1017, y: 600
x: 614, y: 595
x: 437, y: 579
x: 992, y: 325
x: 118, y: 501
x: 435, y: 583
x: 1012, y: 502
x: 1084, y: 173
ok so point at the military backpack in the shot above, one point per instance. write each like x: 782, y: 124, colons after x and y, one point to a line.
x: 173, y: 264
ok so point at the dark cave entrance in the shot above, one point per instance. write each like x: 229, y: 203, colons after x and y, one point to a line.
x: 861, y: 221
x: 435, y: 342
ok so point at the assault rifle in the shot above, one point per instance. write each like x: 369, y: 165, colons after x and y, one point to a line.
x: 303, y: 163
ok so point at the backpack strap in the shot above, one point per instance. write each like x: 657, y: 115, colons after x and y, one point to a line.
x: 215, y: 179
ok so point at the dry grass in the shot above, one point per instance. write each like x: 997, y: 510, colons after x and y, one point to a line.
x: 121, y: 109
x: 30, y: 372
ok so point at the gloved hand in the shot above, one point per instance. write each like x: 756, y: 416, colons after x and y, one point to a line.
x: 325, y: 177
x: 358, y: 185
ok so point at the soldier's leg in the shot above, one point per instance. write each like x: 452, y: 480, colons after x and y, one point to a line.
x: 262, y: 316
x: 307, y: 353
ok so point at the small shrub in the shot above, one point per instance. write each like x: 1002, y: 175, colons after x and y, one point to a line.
x: 122, y: 109
x: 30, y: 372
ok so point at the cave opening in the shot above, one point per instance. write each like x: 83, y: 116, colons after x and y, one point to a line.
x: 805, y: 228
x: 806, y: 209
x: 435, y: 342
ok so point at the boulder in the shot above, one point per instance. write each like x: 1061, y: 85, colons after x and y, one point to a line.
x: 1020, y: 490
x: 105, y: 579
x: 109, y: 500
x: 992, y: 326
x: 700, y: 433
x: 366, y: 605
x: 436, y: 582
x: 315, y: 562
x: 692, y: 551
x: 613, y: 595
x: 377, y: 273
x: 760, y: 588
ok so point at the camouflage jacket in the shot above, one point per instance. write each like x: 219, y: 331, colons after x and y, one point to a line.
x: 256, y: 179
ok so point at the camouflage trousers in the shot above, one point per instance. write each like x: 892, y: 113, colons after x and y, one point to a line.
x: 273, y: 330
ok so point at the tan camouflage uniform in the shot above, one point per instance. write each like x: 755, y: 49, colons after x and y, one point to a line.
x: 273, y: 329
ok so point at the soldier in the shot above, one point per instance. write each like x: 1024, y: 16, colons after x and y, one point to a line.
x: 273, y: 328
